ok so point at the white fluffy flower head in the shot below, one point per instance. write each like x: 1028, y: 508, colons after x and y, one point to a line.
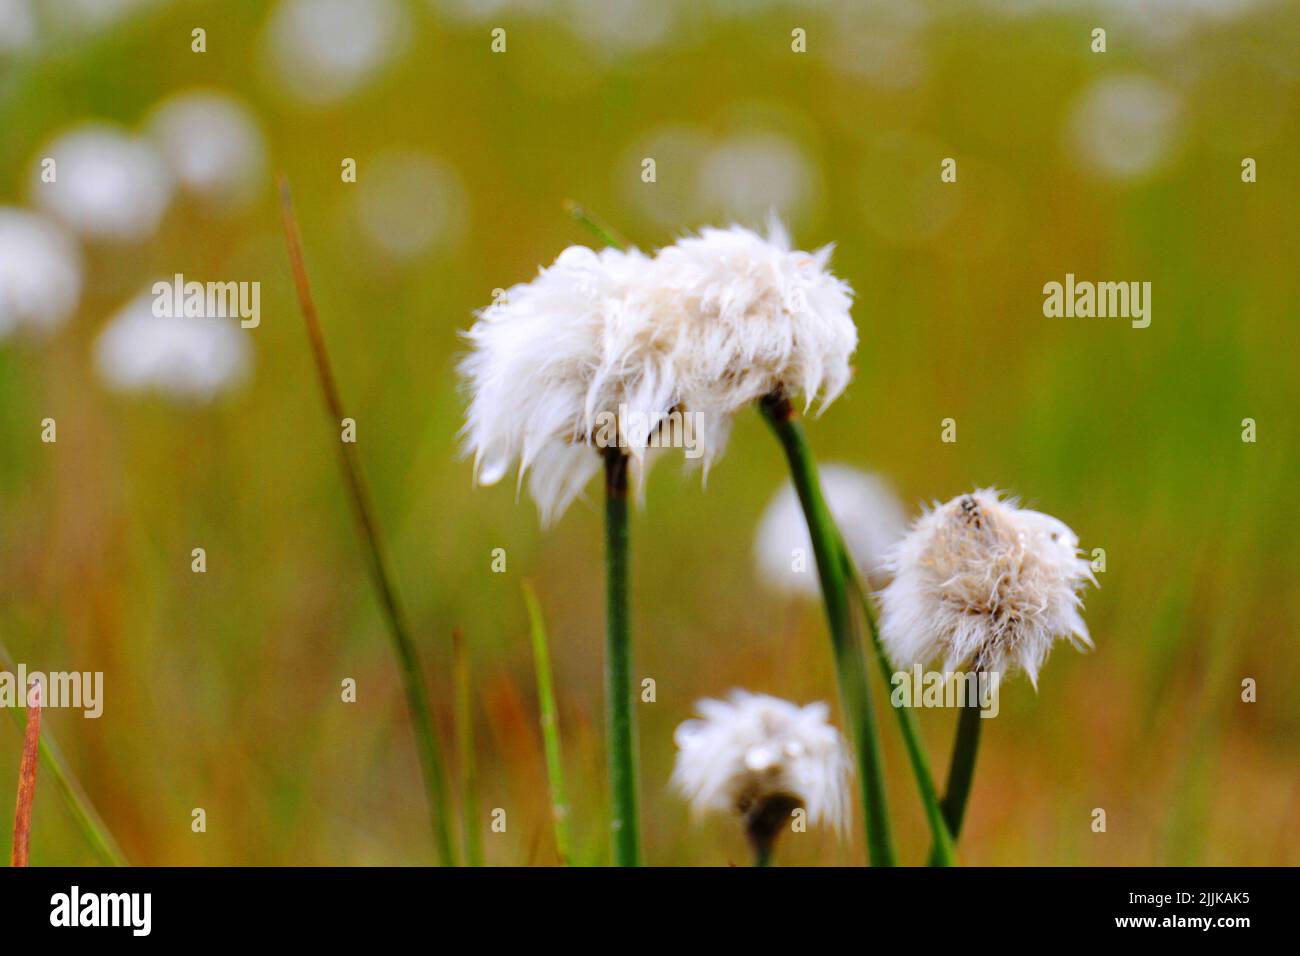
x: 864, y: 507
x: 687, y: 338
x: 982, y: 583
x: 540, y: 373
x: 739, y: 316
x: 752, y: 748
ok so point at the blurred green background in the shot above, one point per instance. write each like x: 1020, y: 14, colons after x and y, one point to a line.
x: 222, y: 689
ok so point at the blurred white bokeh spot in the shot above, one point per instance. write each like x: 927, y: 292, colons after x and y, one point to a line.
x: 621, y: 24
x: 213, y: 145
x: 479, y: 11
x: 864, y: 506
x: 1124, y: 127
x: 673, y: 200
x: 17, y: 26
x: 108, y: 185
x: 409, y: 203
x: 317, y: 52
x: 40, y: 273
x: 189, y: 360
x: 752, y: 173
x: 86, y: 18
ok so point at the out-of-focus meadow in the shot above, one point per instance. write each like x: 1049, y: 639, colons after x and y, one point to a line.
x: 222, y: 690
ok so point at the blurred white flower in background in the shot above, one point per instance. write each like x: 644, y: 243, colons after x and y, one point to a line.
x: 408, y: 203
x: 108, y: 186
x: 40, y: 273
x: 751, y: 174
x: 1155, y: 22
x: 213, y: 146
x: 318, y: 52
x: 17, y: 26
x: 187, y: 359
x: 477, y: 11
x: 865, y: 508
x: 1124, y: 127
x: 883, y: 44
x: 620, y: 24
x: 742, y: 177
x: 678, y: 151
x: 88, y: 17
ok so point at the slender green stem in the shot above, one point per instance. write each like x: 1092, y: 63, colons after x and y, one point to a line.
x: 550, y: 718
x: 961, y: 772
x: 471, y: 831
x: 408, y: 658
x: 763, y: 854
x: 88, y: 820
x: 849, y: 659
x: 599, y: 228
x: 941, y: 852
x: 620, y: 729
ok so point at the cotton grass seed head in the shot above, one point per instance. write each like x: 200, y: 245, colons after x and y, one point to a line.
x: 986, y: 585
x: 864, y: 507
x: 542, y: 370
x: 752, y: 752
x: 677, y: 343
x: 744, y: 316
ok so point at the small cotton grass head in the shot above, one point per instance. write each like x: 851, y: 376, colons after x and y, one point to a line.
x: 984, y: 584
x: 761, y: 758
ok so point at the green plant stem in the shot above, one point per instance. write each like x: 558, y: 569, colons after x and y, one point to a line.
x: 763, y: 855
x: 88, y: 820
x: 408, y: 658
x: 849, y: 660
x: 961, y: 771
x: 469, y: 814
x: 550, y: 720
x: 941, y: 852
x: 620, y: 728
x: 599, y: 228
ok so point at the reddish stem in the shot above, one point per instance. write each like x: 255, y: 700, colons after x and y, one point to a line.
x: 27, y: 778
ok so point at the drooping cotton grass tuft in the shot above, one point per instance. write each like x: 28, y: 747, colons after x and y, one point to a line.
x: 706, y: 327
x: 739, y: 317
x: 187, y: 359
x: 983, y: 584
x: 542, y: 372
x: 762, y: 757
x: 40, y: 273
x: 105, y: 184
x: 869, y: 516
